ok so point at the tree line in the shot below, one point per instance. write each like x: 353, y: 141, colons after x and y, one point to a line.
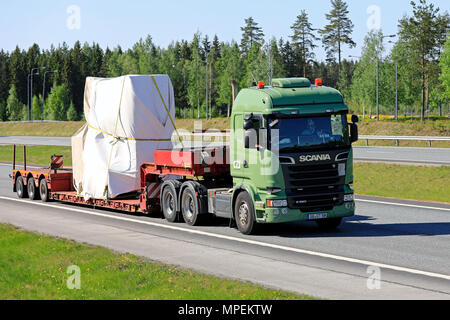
x: 415, y: 72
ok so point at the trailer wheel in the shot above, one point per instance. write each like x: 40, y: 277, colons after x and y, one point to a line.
x: 43, y: 190
x: 169, y: 204
x: 20, y: 188
x: 189, y: 207
x: 329, y: 224
x: 244, y: 214
x: 31, y: 188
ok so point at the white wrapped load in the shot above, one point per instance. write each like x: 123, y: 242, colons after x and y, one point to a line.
x: 127, y: 119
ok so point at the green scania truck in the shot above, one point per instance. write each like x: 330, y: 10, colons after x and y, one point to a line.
x: 289, y: 159
x: 294, y: 160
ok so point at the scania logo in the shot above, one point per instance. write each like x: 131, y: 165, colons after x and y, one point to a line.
x: 315, y: 157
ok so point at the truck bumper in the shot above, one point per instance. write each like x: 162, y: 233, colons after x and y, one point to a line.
x: 280, y: 215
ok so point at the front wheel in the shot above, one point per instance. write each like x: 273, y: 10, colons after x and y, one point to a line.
x: 244, y: 214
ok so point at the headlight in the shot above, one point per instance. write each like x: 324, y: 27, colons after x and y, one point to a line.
x: 276, y: 203
x: 348, y: 197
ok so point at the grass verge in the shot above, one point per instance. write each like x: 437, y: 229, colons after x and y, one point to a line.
x: 34, y: 266
x: 39, y: 155
x: 398, y: 181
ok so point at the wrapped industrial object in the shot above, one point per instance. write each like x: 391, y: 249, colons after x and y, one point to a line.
x: 127, y: 118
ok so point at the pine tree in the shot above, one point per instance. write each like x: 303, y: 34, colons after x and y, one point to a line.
x: 338, y: 31
x: 196, y: 76
x: 303, y: 39
x: 72, y: 114
x: 58, y: 102
x: 19, y: 74
x: 13, y: 106
x: 37, y: 107
x: 3, y: 111
x: 4, y: 76
x: 444, y: 62
x: 251, y: 34
x: 424, y: 34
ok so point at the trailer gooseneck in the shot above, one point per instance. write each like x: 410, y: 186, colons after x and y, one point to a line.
x: 289, y: 159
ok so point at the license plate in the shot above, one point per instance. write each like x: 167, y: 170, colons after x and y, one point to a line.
x: 317, y: 216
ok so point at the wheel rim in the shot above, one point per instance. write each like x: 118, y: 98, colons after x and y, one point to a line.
x: 243, y: 214
x: 169, y: 204
x: 30, y: 189
x: 19, y: 187
x: 189, y: 207
x: 42, y: 190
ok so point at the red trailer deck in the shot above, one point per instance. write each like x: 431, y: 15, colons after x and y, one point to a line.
x: 56, y: 183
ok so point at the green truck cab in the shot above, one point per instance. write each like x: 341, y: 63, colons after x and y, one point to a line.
x: 291, y: 155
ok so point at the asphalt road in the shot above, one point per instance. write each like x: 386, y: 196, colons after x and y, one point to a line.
x: 434, y: 156
x: 407, y: 242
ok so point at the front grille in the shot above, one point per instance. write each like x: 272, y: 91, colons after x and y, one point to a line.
x: 315, y: 187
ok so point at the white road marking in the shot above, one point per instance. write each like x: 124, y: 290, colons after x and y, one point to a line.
x: 400, y: 160
x: 402, y: 204
x: 247, y: 241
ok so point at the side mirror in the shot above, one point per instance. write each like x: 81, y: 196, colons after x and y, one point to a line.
x: 355, y: 118
x: 353, y: 132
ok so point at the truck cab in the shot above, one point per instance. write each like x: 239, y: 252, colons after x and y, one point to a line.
x: 291, y: 155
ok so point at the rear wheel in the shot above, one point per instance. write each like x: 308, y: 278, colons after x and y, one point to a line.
x: 189, y: 207
x: 169, y: 204
x: 244, y: 214
x: 43, y: 190
x: 32, y: 190
x: 20, y: 188
x: 329, y: 224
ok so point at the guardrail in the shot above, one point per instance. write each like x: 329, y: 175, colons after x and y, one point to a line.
x: 403, y: 138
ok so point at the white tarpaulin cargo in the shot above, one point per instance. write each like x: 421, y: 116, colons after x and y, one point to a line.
x: 127, y: 119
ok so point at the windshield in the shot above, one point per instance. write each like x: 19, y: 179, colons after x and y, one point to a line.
x: 311, y: 133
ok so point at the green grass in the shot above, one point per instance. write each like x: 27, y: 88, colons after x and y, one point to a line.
x: 398, y: 181
x: 34, y: 266
x: 36, y: 154
x: 45, y: 129
x: 439, y: 127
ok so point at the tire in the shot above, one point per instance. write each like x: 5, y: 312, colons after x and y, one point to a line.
x: 169, y: 204
x: 244, y: 214
x: 329, y: 224
x: 20, y: 188
x: 33, y: 193
x: 189, y: 207
x: 43, y: 191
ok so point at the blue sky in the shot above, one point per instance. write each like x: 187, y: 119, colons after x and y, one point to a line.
x: 114, y: 22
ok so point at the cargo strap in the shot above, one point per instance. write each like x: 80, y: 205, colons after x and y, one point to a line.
x: 168, y: 112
